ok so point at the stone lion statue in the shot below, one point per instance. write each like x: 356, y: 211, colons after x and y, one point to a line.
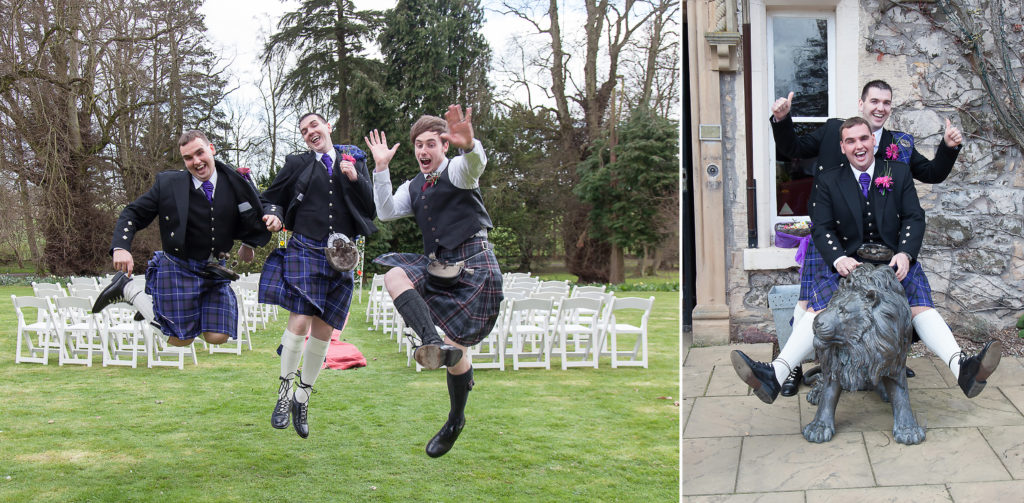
x: 861, y: 340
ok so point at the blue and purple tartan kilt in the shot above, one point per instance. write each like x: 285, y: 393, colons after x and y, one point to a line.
x: 813, y: 272
x: 299, y: 279
x: 467, y: 311
x: 919, y: 292
x: 186, y: 304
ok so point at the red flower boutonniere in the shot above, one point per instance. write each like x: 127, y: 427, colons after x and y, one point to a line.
x: 244, y: 171
x: 346, y: 157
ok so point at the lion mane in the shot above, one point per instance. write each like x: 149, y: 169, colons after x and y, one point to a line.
x: 865, y: 332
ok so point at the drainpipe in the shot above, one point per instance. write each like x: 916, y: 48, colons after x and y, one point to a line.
x: 749, y: 116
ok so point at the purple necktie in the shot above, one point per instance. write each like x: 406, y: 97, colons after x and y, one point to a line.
x: 327, y: 162
x: 208, y: 189
x: 865, y: 179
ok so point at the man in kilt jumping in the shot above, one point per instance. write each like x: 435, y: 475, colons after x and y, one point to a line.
x: 822, y: 144
x: 320, y: 195
x: 865, y: 202
x: 201, y: 212
x: 445, y: 200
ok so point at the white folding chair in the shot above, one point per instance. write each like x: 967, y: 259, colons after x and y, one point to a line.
x: 628, y: 316
x: 38, y: 338
x: 577, y: 290
x: 122, y: 338
x: 161, y: 354
x: 48, y: 290
x: 528, y: 330
x: 576, y: 337
x: 77, y: 330
x: 82, y: 290
x: 490, y: 352
x: 561, y: 287
x: 374, y: 299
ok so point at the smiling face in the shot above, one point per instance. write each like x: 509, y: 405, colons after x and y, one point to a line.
x: 875, y: 107
x: 316, y: 132
x: 198, y: 157
x: 859, y: 145
x: 430, y: 150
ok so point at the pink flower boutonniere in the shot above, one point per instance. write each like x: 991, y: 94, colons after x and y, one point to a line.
x: 883, y: 183
x: 346, y: 157
x: 892, y: 152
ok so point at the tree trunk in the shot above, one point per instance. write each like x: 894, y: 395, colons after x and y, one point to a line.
x: 30, y: 225
x: 617, y: 266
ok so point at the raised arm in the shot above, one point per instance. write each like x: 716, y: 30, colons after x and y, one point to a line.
x: 389, y: 206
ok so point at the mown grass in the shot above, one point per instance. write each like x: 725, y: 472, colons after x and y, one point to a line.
x: 119, y: 434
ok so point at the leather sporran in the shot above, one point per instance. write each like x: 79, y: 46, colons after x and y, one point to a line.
x: 443, y: 274
x: 214, y: 270
x: 342, y: 254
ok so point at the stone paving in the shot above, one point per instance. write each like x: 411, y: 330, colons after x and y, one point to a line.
x: 739, y: 449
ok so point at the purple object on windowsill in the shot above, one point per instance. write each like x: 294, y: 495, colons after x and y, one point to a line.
x: 783, y: 240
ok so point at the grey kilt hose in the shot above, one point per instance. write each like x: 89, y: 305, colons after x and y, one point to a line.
x: 299, y: 279
x: 466, y: 311
x: 186, y: 304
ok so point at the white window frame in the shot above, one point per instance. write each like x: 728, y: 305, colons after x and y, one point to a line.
x: 844, y: 89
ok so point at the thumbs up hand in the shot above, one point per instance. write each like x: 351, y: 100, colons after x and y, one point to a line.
x: 781, y: 107
x: 953, y: 137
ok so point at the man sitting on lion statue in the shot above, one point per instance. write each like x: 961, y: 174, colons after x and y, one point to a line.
x: 872, y: 212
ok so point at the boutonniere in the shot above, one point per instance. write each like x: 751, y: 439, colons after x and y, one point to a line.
x: 244, y: 171
x: 346, y: 157
x: 431, y: 180
x: 883, y: 183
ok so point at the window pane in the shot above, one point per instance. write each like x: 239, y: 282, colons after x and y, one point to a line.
x: 794, y: 178
x: 801, y: 63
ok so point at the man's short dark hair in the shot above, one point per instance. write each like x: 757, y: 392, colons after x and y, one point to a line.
x: 190, y: 135
x: 321, y: 117
x: 853, y: 122
x: 881, y: 85
x: 427, y: 124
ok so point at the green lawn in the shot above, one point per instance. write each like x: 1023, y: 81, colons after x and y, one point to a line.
x: 203, y: 433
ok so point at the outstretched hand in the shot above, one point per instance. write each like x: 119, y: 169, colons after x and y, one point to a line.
x: 781, y: 107
x: 952, y: 136
x: 460, y: 127
x: 377, y: 142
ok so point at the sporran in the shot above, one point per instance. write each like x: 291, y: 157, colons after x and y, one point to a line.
x: 342, y: 254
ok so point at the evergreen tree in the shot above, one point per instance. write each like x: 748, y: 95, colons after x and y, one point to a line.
x: 627, y: 194
x: 327, y: 37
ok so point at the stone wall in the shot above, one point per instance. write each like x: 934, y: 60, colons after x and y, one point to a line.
x: 974, y: 247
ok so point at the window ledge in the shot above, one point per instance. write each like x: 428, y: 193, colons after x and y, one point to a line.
x: 772, y: 258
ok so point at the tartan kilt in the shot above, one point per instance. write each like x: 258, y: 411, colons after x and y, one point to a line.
x: 915, y: 285
x: 186, y: 304
x: 814, y: 271
x: 466, y: 311
x: 299, y: 279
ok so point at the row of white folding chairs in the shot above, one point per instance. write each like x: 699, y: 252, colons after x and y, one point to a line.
x: 579, y: 330
x: 66, y: 326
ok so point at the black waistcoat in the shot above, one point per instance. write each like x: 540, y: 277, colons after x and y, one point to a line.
x: 323, y: 210
x: 210, y: 226
x: 446, y: 214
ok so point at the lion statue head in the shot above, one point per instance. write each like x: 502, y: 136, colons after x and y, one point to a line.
x: 865, y: 332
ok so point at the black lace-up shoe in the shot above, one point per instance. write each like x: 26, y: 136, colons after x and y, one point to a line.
x: 759, y: 376
x: 792, y: 383
x: 299, y: 411
x: 974, y: 370
x: 434, y: 355
x: 279, y: 419
x: 445, y: 439
x: 114, y: 292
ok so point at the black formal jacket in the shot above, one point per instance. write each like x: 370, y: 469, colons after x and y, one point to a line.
x: 823, y: 143
x: 838, y: 218
x: 290, y: 190
x: 168, y: 199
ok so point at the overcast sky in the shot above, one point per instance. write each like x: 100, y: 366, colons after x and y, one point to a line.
x: 235, y: 27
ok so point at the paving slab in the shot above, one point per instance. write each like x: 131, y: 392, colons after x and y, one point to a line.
x: 741, y: 416
x: 726, y: 382
x: 719, y: 355
x: 1015, y: 394
x: 946, y: 455
x: 784, y: 497
x: 1008, y: 443
x: 928, y: 375
x: 790, y: 463
x: 987, y: 492
x: 856, y: 411
x: 899, y: 494
x: 1010, y: 372
x: 710, y: 464
x: 948, y: 408
x: 695, y: 381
